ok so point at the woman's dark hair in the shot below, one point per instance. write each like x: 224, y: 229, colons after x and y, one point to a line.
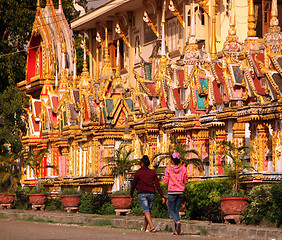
x: 175, y: 157
x: 145, y: 160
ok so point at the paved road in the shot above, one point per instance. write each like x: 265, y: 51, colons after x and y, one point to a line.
x: 20, y: 230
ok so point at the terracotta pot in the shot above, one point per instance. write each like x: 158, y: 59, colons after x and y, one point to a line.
x: 37, y: 198
x: 121, y: 201
x: 233, y: 207
x: 71, y: 201
x: 7, y: 198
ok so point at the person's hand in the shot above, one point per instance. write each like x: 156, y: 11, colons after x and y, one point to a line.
x: 163, y: 200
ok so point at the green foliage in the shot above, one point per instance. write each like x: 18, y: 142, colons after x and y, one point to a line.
x: 70, y: 191
x: 54, y: 204
x: 203, y: 199
x: 136, y: 209
x: 236, y: 170
x: 121, y: 192
x: 35, y: 190
x: 106, y: 209
x: 120, y: 163
x: 159, y: 210
x: 21, y: 199
x: 34, y: 161
x: 260, y: 207
x: 86, y: 203
x: 187, y: 157
x: 92, y: 203
x: 16, y: 20
x: 12, y: 125
x: 276, y: 191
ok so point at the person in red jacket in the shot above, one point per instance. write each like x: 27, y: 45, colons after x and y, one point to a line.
x: 175, y: 176
x: 146, y: 180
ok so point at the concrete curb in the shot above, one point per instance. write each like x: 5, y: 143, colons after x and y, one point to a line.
x: 191, y: 227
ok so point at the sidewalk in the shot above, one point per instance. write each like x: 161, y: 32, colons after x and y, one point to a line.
x: 192, y: 227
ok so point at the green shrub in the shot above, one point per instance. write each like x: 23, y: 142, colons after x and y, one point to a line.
x: 107, y: 209
x: 276, y: 191
x: 203, y: 199
x: 21, y: 199
x: 70, y: 191
x: 86, y: 203
x: 136, y: 209
x: 90, y: 203
x: 35, y: 191
x: 260, y: 207
x: 159, y: 210
x: 54, y: 204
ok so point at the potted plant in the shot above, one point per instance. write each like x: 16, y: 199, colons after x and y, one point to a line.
x: 120, y: 164
x: 10, y: 175
x: 236, y: 170
x: 37, y: 196
x: 70, y: 199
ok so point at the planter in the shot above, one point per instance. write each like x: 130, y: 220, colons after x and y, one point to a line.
x: 122, y: 203
x: 38, y: 200
x: 233, y: 207
x: 71, y: 202
x: 6, y: 200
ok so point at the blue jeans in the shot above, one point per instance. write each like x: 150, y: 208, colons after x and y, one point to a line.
x: 146, y: 200
x: 174, y: 202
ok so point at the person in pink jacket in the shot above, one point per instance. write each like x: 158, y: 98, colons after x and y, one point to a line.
x: 175, y: 176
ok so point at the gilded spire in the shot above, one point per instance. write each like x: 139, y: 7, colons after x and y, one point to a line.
x: 232, y: 31
x: 107, y: 57
x: 118, y: 61
x: 274, y: 13
x: 213, y: 40
x: 63, y: 80
x: 97, y: 64
x: 163, y: 29
x: 251, y: 20
x: 192, y: 39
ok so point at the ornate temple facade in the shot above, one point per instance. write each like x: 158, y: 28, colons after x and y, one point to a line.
x: 198, y: 71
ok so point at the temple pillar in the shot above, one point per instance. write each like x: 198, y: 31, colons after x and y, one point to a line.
x: 220, y: 136
x: 260, y: 147
x: 203, y: 146
x: 95, y: 156
x: 153, y: 146
x: 239, y: 133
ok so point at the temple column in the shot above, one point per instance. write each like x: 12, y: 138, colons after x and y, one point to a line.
x: 153, y: 147
x: 239, y: 133
x: 203, y: 146
x: 260, y: 147
x: 220, y: 136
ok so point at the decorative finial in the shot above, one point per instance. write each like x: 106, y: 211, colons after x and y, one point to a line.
x: 251, y: 20
x: 83, y: 45
x: 118, y: 61
x: 74, y: 65
x: 274, y: 13
x: 213, y: 40
x: 232, y: 31
x: 163, y: 29
x: 97, y: 64
x: 107, y: 58
x: 192, y: 39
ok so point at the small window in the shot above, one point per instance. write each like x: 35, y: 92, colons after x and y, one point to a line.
x: 200, y: 12
x: 189, y: 18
